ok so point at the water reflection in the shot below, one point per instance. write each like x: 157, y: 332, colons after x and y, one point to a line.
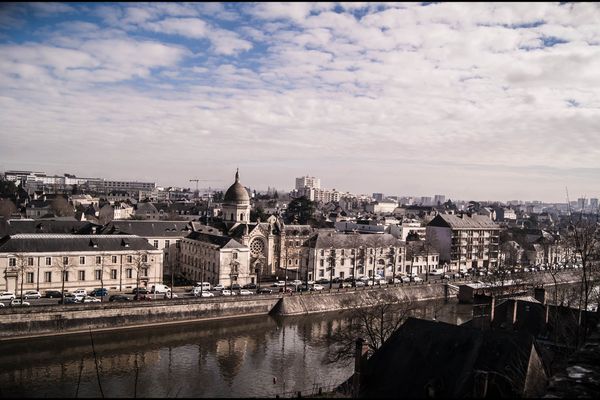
x: 250, y: 357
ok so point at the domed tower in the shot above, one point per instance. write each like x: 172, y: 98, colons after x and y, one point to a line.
x: 236, y: 203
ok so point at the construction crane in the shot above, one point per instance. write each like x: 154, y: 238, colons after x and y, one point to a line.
x: 201, y: 180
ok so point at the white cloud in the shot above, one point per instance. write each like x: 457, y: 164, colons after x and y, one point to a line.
x: 400, y: 96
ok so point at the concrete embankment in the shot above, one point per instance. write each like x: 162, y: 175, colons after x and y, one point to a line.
x: 345, y: 300
x: 53, y: 320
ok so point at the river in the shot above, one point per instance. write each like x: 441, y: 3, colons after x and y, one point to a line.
x: 247, y: 357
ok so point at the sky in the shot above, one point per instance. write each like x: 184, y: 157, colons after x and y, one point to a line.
x: 482, y: 101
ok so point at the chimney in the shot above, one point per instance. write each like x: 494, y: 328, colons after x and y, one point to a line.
x: 512, y: 317
x: 539, y: 293
x: 483, y: 311
x: 360, y: 356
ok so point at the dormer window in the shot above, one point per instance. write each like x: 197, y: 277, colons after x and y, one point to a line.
x: 93, y: 243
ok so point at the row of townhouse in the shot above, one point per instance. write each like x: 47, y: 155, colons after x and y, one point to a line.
x: 46, y: 261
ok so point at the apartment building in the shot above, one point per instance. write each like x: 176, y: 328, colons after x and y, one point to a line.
x: 465, y: 241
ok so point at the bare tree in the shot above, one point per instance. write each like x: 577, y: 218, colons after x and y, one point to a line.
x: 583, y: 237
x: 139, y: 262
x: 62, y: 265
x: 374, y: 322
x: 377, y: 242
x: 355, y: 242
x: 61, y: 207
x: 21, y: 267
x: 7, y: 208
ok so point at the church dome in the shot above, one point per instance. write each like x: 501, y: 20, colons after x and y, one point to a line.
x: 236, y: 192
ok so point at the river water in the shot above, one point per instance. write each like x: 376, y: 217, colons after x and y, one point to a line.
x: 247, y: 357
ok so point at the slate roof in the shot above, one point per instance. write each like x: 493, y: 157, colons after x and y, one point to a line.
x: 427, y: 355
x: 341, y: 240
x: 148, y: 229
x: 15, y: 226
x: 464, y: 222
x: 55, y: 243
x: 223, y: 242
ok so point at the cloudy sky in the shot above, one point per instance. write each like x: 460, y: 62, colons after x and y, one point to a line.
x: 474, y: 101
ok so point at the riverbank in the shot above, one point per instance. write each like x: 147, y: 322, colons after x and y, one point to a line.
x: 19, y: 323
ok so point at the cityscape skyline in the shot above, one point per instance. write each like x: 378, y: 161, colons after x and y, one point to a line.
x: 478, y: 101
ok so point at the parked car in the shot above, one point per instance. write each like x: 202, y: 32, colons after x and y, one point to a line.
x: 7, y: 296
x: 417, y: 279
x: 170, y: 295
x: 227, y: 292
x: 322, y: 281
x: 2, y: 305
x: 286, y: 290
x: 80, y: 291
x: 346, y: 284
x: 79, y: 297
x: 32, y: 294
x: 359, y: 283
x: 311, y: 282
x: 296, y: 282
x: 118, y: 297
x: 437, y: 271
x: 218, y: 287
x: 264, y: 290
x: 317, y: 287
x: 18, y: 302
x: 205, y: 294
x: 69, y: 298
x: 405, y: 279
x: 382, y: 281
x: 249, y: 286
x: 139, y: 290
x: 89, y: 299
x: 160, y: 288
x: 51, y: 294
x: 235, y: 286
x: 99, y: 292
x: 278, y: 283
x: 245, y: 292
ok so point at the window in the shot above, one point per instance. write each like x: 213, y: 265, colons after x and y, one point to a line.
x: 156, y: 244
x: 81, y: 260
x: 342, y: 274
x: 114, y: 259
x: 342, y: 262
x: 98, y: 260
x: 167, y: 243
x: 66, y: 276
x: 321, y: 273
x: 129, y: 273
x: 235, y: 256
x: 30, y: 261
x: 144, y: 258
x: 82, y: 275
x: 144, y: 271
x: 178, y: 243
x: 129, y: 259
x: 65, y: 260
x: 321, y: 262
x: 29, y: 277
x: 48, y: 276
x: 12, y: 262
x: 322, y: 253
x: 48, y: 260
x: 98, y: 274
x: 113, y: 274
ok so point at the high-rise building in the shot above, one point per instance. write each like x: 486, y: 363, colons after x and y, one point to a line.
x: 439, y: 199
x: 378, y: 196
x: 581, y: 203
x: 309, y: 182
x: 594, y: 204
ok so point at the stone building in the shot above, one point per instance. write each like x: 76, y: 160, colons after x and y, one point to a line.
x: 338, y: 255
x: 41, y: 261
